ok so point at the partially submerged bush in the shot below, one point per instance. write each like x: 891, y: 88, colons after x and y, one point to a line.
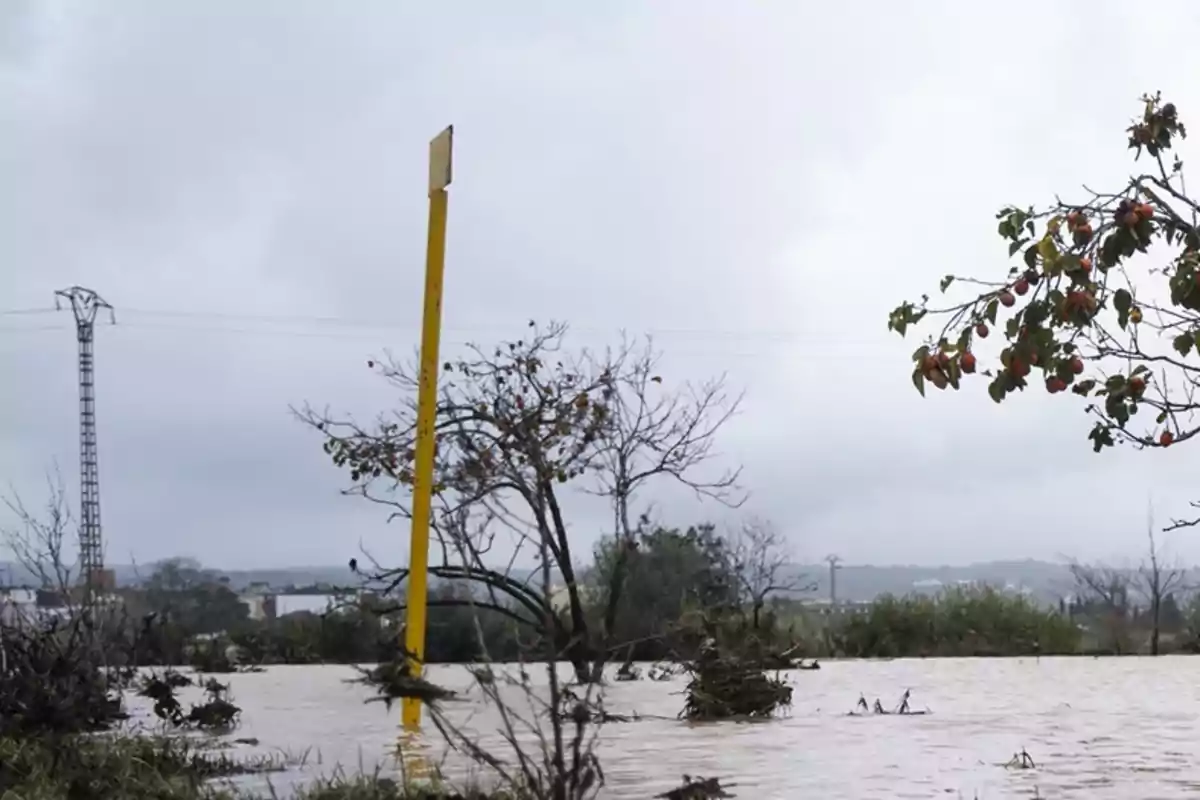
x: 956, y: 622
x: 107, y: 767
x: 211, y: 656
x: 55, y: 680
x: 216, y: 713
x: 378, y: 787
x: 696, y: 789
x: 731, y: 685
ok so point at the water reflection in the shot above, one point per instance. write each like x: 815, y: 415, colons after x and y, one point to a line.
x: 1099, y: 729
x: 415, y: 757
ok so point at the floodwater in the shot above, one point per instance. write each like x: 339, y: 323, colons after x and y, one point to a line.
x: 1096, y: 728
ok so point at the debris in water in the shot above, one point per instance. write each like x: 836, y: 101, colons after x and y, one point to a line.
x: 393, y: 680
x: 862, y: 709
x: 697, y: 789
x: 1021, y: 760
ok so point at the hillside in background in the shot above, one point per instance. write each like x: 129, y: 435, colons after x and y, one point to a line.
x: 1046, y: 580
x: 239, y: 579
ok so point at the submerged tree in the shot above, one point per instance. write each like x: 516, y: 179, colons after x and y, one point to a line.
x: 1102, y: 593
x: 661, y: 574
x: 1157, y: 579
x: 761, y: 564
x: 1105, y: 301
x: 518, y: 427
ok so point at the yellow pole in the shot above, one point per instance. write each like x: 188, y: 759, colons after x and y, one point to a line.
x: 440, y: 150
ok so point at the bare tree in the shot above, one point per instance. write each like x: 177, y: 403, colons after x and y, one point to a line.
x: 44, y: 545
x: 518, y: 427
x: 760, y: 562
x: 69, y: 660
x: 1103, y: 593
x: 1156, y: 580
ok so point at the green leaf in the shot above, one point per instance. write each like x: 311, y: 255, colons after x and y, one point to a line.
x: 1183, y: 343
x: 1122, y: 302
x: 1161, y: 418
x: 1110, y: 251
x: 1012, y: 326
x: 996, y: 390
x: 946, y: 281
x: 1101, y: 437
x: 992, y: 309
x: 1120, y: 412
x: 1031, y: 254
x: 1047, y: 250
x: 918, y: 379
x: 1083, y: 387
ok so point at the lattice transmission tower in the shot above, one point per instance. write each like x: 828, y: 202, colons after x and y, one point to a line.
x: 86, y: 304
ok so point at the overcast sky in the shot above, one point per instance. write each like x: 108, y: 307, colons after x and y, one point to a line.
x: 757, y: 184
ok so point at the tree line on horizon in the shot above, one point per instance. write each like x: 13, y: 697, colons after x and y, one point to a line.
x: 678, y: 581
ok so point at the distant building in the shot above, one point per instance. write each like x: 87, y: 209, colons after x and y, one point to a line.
x: 262, y: 604
x: 259, y: 607
x: 823, y: 605
x: 17, y: 605
x: 22, y: 604
x: 295, y: 603
x: 560, y: 596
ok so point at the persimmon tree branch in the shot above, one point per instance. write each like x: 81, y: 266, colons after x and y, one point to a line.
x: 1104, y: 301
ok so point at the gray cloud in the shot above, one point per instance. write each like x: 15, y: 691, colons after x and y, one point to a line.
x: 757, y: 185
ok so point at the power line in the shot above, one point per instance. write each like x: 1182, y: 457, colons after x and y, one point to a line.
x: 739, y: 349
x: 380, y: 325
x: 674, y: 343
x: 389, y: 325
x: 12, y: 312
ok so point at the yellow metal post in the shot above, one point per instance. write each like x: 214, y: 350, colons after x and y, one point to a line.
x: 440, y: 152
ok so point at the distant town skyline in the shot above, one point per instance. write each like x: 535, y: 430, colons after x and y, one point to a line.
x: 1045, y: 580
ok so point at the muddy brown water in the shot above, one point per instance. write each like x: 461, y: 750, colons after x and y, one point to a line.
x: 1097, y: 729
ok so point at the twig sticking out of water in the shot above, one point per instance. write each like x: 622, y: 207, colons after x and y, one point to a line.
x: 861, y: 708
x: 1021, y: 760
